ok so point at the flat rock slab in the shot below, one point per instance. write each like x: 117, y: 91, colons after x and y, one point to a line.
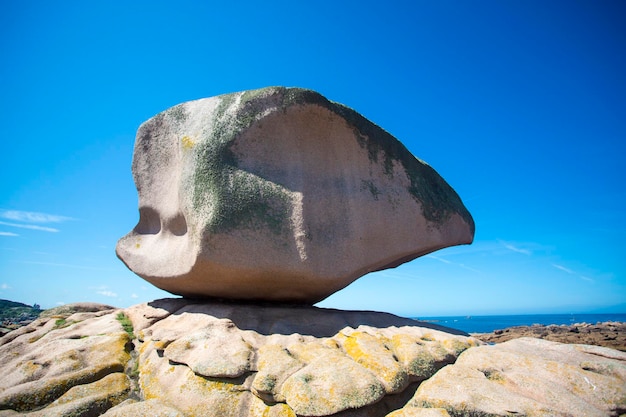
x: 529, y: 377
x: 305, y: 360
x: 280, y: 194
x: 187, y: 358
x: 194, y: 358
x: 60, y: 364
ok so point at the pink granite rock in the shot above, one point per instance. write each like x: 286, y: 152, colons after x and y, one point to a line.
x: 280, y: 194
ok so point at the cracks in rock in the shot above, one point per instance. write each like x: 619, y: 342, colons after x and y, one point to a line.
x: 605, y: 355
x: 386, y: 405
x: 132, y: 371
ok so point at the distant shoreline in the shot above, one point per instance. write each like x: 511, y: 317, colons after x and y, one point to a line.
x: 489, y: 324
x: 607, y: 334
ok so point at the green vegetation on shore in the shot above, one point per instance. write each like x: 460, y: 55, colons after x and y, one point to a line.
x: 12, y: 312
x: 127, y: 325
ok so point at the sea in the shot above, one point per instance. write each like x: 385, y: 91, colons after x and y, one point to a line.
x: 488, y: 324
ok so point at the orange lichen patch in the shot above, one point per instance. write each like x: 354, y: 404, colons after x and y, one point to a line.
x: 307, y: 352
x: 456, y: 346
x: 372, y: 353
x: 278, y: 410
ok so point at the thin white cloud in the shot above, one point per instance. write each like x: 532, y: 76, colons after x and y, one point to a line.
x: 514, y: 248
x: 31, y: 220
x: 571, y: 272
x: 394, y: 274
x: 8, y: 234
x: 32, y: 216
x: 562, y: 268
x: 30, y: 226
x: 134, y: 295
x: 99, y: 287
x: 469, y: 268
x: 103, y: 290
x: 93, y: 268
x: 5, y: 286
x: 445, y: 261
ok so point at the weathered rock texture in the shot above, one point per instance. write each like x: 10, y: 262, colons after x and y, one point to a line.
x: 529, y: 377
x: 220, y: 359
x: 68, y: 364
x: 279, y: 194
x: 185, y: 358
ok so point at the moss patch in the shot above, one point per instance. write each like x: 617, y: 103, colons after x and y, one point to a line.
x: 235, y: 199
x: 437, y: 199
x: 127, y: 325
x: 62, y: 323
x: 371, y: 187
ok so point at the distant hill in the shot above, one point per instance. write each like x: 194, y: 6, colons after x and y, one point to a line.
x: 14, y: 312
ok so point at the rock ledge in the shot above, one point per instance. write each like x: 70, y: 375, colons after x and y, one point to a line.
x: 190, y: 358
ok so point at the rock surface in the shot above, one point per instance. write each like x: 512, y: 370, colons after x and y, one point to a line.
x: 608, y: 334
x: 69, y: 364
x: 188, y: 358
x: 279, y: 194
x: 529, y: 377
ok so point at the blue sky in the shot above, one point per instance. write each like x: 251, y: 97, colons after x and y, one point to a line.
x: 519, y: 105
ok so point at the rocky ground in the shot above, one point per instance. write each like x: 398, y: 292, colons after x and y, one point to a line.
x: 608, y: 334
x: 181, y: 358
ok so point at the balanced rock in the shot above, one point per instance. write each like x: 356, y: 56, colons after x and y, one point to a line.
x: 279, y: 194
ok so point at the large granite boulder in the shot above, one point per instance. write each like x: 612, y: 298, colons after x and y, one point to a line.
x: 180, y: 358
x: 279, y: 194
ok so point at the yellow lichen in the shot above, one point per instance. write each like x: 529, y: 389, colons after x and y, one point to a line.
x: 279, y: 410
x: 455, y: 346
x: 372, y: 353
x: 187, y: 142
